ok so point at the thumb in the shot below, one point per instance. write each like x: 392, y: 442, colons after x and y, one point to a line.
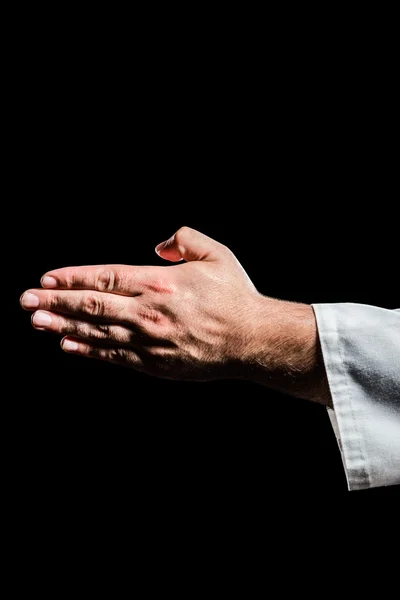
x: 190, y: 245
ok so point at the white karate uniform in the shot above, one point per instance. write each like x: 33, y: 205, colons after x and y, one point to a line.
x: 361, y: 350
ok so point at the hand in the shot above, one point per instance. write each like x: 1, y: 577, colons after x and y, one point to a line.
x: 186, y: 321
x: 199, y: 320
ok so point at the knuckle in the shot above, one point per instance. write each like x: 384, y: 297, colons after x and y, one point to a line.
x: 93, y: 306
x: 101, y: 332
x: 149, y: 315
x: 160, y: 285
x: 53, y: 301
x: 76, y: 328
x: 82, y: 330
x: 182, y: 233
x: 103, y: 329
x: 115, y: 353
x: 96, y: 333
x: 119, y: 355
x: 68, y: 327
x: 70, y: 279
x: 105, y: 281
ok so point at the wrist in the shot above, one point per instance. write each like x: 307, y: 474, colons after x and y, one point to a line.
x: 283, y: 351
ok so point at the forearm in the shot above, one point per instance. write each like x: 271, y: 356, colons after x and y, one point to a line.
x: 284, y: 353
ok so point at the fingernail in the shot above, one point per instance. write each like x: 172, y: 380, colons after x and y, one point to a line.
x: 161, y: 247
x: 69, y: 346
x: 29, y: 300
x: 41, y: 319
x: 49, y: 282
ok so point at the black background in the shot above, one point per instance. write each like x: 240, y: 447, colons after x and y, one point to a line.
x: 109, y: 156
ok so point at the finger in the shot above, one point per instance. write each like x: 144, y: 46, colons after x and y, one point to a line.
x: 190, y: 245
x: 117, y: 355
x: 125, y: 280
x: 92, y: 332
x: 85, y: 303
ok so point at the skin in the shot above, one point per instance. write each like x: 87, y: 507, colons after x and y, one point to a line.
x: 202, y: 319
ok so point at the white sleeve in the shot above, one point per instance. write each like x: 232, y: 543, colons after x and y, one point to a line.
x: 361, y: 351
